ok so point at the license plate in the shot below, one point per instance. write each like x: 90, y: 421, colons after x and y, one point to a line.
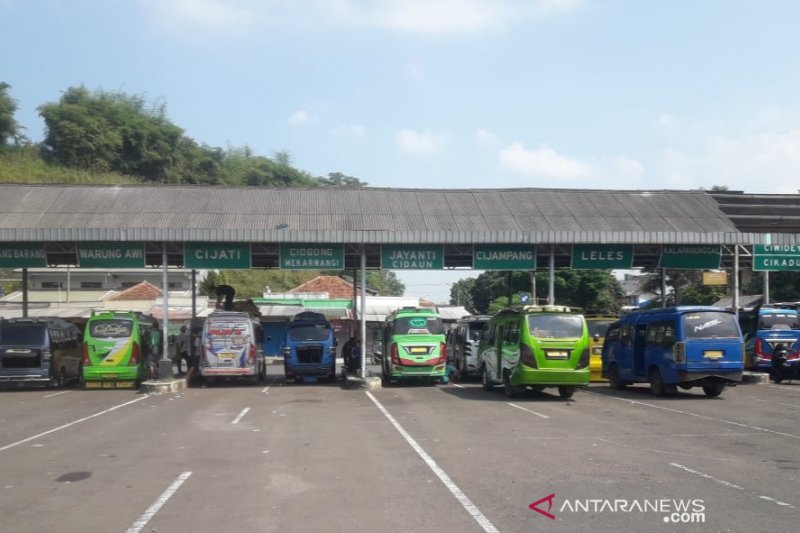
x: 556, y: 355
x: 226, y: 355
x: 713, y: 354
x: 419, y: 349
x: 110, y: 384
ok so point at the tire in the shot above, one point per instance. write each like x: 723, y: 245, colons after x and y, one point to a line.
x: 657, y: 383
x: 486, y: 381
x: 712, y: 391
x: 566, y: 392
x: 511, y: 391
x: 614, y: 381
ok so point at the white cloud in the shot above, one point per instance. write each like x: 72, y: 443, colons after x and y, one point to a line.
x: 416, y: 142
x: 543, y: 162
x: 764, y: 162
x: 486, y: 138
x: 212, y: 14
x: 414, y: 16
x: 666, y: 119
x: 299, y: 118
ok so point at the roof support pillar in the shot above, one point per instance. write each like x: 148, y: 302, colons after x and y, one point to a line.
x: 736, y: 281
x: 765, y: 275
x: 24, y: 293
x: 165, y: 305
x: 551, y: 289
x: 664, y: 288
x: 363, y: 317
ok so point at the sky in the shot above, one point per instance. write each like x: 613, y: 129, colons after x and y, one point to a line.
x: 445, y: 94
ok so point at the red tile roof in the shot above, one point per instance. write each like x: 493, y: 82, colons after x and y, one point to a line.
x: 335, y: 286
x: 141, y: 291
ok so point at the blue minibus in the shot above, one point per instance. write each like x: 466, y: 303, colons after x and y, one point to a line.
x: 765, y: 328
x: 675, y: 347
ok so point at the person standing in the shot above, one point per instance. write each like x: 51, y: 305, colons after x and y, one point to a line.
x: 182, y: 350
x: 155, y: 350
x: 194, y: 359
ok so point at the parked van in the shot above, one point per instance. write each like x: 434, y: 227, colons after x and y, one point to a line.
x: 766, y: 327
x: 538, y: 346
x: 415, y: 343
x: 309, y: 349
x: 231, y: 347
x: 115, y: 348
x: 39, y: 351
x: 463, y: 341
x: 675, y: 347
x: 598, y: 325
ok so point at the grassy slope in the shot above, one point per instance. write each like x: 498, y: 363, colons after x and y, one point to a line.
x: 25, y: 167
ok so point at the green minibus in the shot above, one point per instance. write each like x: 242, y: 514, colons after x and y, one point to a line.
x: 414, y: 340
x: 537, y: 346
x: 115, y: 347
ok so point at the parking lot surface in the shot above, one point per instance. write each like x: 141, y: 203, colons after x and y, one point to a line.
x: 411, y: 458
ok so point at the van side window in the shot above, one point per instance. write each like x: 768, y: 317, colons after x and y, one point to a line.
x: 669, y: 335
x: 512, y: 334
x: 612, y: 334
x: 625, y: 335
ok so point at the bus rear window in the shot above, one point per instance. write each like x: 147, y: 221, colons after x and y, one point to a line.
x: 708, y: 325
x: 112, y: 328
x: 556, y: 326
x: 778, y: 321
x: 19, y: 335
x: 598, y: 327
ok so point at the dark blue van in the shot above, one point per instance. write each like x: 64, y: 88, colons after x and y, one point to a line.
x: 675, y: 347
x: 766, y: 327
x: 309, y: 349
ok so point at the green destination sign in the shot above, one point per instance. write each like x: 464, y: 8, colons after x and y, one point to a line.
x: 776, y: 257
x: 601, y: 256
x: 298, y: 256
x: 110, y: 254
x: 504, y: 257
x: 216, y: 255
x: 688, y: 256
x: 22, y: 255
x: 412, y: 257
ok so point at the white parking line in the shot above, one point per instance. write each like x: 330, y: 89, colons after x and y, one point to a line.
x: 457, y: 385
x: 160, y: 501
x: 265, y: 390
x: 731, y: 485
x: 451, y: 486
x: 678, y: 411
x: 241, y: 415
x: 527, y: 410
x: 59, y: 428
x: 57, y: 394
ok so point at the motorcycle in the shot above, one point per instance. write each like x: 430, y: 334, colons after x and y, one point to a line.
x: 782, y: 368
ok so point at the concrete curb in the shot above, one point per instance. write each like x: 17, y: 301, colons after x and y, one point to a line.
x: 755, y: 378
x: 163, y: 386
x: 358, y: 383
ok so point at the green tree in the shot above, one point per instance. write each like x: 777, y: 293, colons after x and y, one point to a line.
x: 10, y: 130
x: 783, y: 286
x: 111, y: 131
x: 337, y: 179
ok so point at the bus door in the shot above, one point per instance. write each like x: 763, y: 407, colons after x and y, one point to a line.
x: 498, y: 349
x: 638, y: 349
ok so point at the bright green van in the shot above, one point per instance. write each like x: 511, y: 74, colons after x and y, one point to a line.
x: 414, y: 341
x: 535, y: 346
x: 115, y: 347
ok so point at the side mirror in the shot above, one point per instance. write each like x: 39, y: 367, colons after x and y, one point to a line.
x: 596, y: 337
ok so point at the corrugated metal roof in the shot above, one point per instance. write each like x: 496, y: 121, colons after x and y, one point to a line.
x: 368, y: 215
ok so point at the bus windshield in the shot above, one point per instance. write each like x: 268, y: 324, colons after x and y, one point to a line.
x: 778, y: 321
x: 309, y: 332
x: 418, y: 325
x: 709, y: 324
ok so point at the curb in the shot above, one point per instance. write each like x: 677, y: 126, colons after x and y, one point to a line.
x: 163, y: 386
x: 755, y: 378
x: 355, y: 382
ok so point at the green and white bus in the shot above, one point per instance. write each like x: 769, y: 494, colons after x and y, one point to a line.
x: 115, y: 347
x: 414, y: 344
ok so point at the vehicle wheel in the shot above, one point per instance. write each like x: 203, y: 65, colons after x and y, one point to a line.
x: 712, y: 391
x: 614, y: 381
x: 566, y: 392
x: 512, y: 391
x: 486, y: 381
x: 657, y: 383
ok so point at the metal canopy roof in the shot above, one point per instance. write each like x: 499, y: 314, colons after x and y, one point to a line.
x: 49, y: 213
